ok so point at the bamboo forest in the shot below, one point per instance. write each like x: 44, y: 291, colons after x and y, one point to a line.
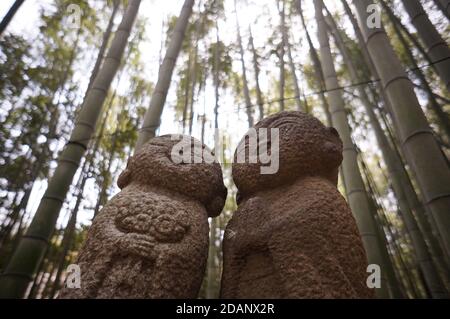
x: 358, y: 91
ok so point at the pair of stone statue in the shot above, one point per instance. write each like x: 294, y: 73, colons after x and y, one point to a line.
x: 293, y: 235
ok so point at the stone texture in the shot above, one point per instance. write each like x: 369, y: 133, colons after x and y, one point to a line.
x: 293, y: 235
x: 151, y: 239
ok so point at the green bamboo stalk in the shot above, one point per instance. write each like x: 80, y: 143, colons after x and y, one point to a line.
x: 27, y: 257
x: 354, y: 184
x: 427, y: 225
x: 423, y: 257
x: 443, y: 117
x: 436, y: 47
x: 153, y: 114
x: 248, y: 102
x: 298, y: 93
x: 420, y: 147
x: 444, y: 6
x: 281, y: 53
x: 10, y: 15
x: 259, y: 98
x: 317, y: 67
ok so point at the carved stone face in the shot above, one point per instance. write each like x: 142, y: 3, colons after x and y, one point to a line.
x: 306, y: 147
x: 153, y: 165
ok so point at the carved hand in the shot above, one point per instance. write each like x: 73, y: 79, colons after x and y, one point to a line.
x: 169, y: 228
x: 138, y: 244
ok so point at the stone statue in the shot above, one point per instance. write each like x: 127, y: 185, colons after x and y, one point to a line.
x: 293, y: 235
x: 151, y: 239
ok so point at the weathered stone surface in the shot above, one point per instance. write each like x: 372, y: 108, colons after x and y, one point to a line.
x: 293, y: 235
x: 151, y: 239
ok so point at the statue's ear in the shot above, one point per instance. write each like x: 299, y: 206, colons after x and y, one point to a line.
x: 333, y: 131
x: 332, y: 157
x: 333, y: 148
x: 124, y: 179
x: 215, y: 206
x: 125, y: 176
x: 238, y: 197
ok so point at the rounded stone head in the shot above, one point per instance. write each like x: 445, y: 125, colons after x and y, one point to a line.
x: 305, y: 148
x: 161, y: 163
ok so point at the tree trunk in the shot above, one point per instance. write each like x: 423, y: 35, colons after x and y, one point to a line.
x: 436, y: 47
x: 211, y: 265
x: 298, y: 93
x: 408, y: 187
x: 104, y: 45
x: 420, y: 147
x: 317, y: 66
x: 216, y: 79
x: 212, y: 269
x: 161, y: 48
x: 365, y: 53
x: 15, y: 215
x: 28, y: 255
x: 282, y: 50
x: 10, y: 15
x: 385, y: 230
x: 442, y: 116
x: 194, y: 69
x: 66, y: 242
x: 259, y: 98
x: 70, y: 229
x: 187, y: 86
x: 9, y: 218
x: 423, y: 257
x: 437, y: 96
x: 248, y: 101
x: 192, y: 99
x: 102, y: 196
x: 413, y: 39
x: 152, y: 117
x: 356, y: 193
x: 444, y: 6
x: 49, y: 256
